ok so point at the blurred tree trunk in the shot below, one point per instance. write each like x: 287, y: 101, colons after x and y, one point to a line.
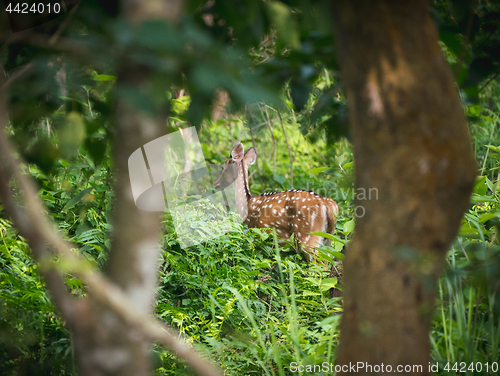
x: 413, y: 154
x: 219, y: 106
x: 104, y: 344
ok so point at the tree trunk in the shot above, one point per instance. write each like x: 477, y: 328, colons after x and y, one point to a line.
x: 414, y: 158
x: 105, y: 345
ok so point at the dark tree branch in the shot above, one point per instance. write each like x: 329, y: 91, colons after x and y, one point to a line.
x: 63, y: 25
x: 16, y: 74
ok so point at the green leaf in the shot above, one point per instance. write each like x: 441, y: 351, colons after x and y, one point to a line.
x: 480, y: 186
x: 279, y: 179
x: 494, y: 148
x: 74, y: 100
x: 349, y: 226
x: 487, y: 216
x: 76, y: 199
x: 468, y: 232
x: 197, y: 197
x: 477, y: 198
x: 328, y: 236
x: 310, y: 293
x: 105, y: 77
x: 317, y: 170
x: 330, y: 319
x: 492, y: 186
x: 328, y: 283
x: 470, y: 217
x: 338, y: 255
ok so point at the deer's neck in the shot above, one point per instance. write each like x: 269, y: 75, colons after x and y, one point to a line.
x: 242, y: 194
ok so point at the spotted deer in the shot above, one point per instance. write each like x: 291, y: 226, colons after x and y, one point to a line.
x: 293, y: 211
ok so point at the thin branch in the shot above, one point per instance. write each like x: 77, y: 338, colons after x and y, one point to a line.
x: 250, y: 129
x: 103, y: 197
x: 483, y: 86
x: 40, y: 40
x: 272, y: 136
x: 3, y: 71
x: 48, y: 125
x: 63, y: 25
x: 17, y: 73
x: 289, y: 150
x: 264, y: 123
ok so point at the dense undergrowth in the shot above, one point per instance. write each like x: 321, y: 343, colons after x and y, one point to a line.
x: 240, y: 299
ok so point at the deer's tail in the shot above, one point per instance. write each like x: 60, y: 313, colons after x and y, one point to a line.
x: 331, y: 219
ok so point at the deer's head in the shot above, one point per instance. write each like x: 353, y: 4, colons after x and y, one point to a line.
x: 235, y: 165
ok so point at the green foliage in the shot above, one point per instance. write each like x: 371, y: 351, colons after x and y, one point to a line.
x: 239, y: 301
x: 239, y: 298
x: 466, y: 327
x: 471, y: 32
x: 33, y: 339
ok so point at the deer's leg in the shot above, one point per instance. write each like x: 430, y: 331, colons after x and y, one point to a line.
x: 308, y: 242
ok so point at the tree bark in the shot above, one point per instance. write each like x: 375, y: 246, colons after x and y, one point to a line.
x: 413, y: 155
x: 104, y: 343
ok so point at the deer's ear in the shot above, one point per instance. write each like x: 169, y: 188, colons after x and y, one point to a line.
x: 250, y: 156
x: 237, y: 152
